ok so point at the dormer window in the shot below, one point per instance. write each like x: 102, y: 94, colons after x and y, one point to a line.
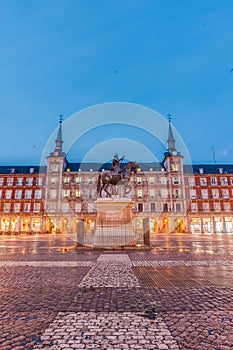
x: 31, y: 170
x: 13, y: 170
x: 201, y: 171
x: 220, y: 170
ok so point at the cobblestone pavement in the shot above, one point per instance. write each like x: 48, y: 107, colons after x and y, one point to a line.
x: 172, y: 297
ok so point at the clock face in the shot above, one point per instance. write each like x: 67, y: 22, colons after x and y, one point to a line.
x: 174, y: 153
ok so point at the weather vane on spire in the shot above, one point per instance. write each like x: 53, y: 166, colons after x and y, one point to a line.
x: 60, y: 118
x: 169, y: 117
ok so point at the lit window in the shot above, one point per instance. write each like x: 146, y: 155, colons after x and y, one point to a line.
x: 151, y: 180
x: 164, y: 193
x: 53, y: 180
x: 77, y: 193
x: 90, y: 180
x: 175, y: 167
x: 78, y: 180
x: 78, y: 207
x: 152, y: 193
x: 139, y: 180
x: 139, y: 193
x: 66, y: 180
x: 66, y: 193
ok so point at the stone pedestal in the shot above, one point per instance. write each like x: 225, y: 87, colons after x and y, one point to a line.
x: 113, y: 223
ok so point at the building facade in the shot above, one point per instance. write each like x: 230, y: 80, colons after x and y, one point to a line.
x: 175, y: 197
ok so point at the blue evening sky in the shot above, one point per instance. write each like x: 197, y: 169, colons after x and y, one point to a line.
x: 60, y: 56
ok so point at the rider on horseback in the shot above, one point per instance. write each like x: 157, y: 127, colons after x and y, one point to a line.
x: 116, y: 165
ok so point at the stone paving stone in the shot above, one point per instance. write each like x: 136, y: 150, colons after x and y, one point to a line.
x: 111, y: 270
x: 183, y: 263
x: 202, y: 330
x: 106, y: 331
x: 46, y: 263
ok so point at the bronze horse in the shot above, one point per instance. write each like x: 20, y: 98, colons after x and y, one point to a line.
x: 108, y: 177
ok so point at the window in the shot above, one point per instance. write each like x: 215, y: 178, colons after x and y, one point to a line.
x: 10, y: 181
x: 175, y: 167
x: 163, y: 180
x: 231, y: 180
x: 78, y: 180
x: 223, y: 181
x: 139, y: 193
x: 65, y: 207
x: 66, y: 193
x: 90, y: 181
x: 6, y: 207
x: 18, y: 194
x: 53, y: 180
x: 139, y: 180
x: 77, y: 193
x: 203, y: 181
x: 8, y: 194
x: 140, y: 207
x: 2, y: 180
x: 152, y: 193
x: 152, y: 207
x: 176, y: 180
x: 176, y: 193
x: 66, y: 180
x: 16, y: 207
x: 54, y: 167
x: 227, y: 206
x: 53, y: 194
x: 19, y: 181
x: 217, y: 207
x: 165, y: 207
x: 191, y: 181
x: 28, y: 194
x: 27, y: 207
x: 78, y: 207
x: 0, y: 194
x: 164, y: 193
x: 215, y: 193
x: 194, y: 207
x: 151, y: 180
x: 213, y: 181
x: 178, y: 207
x: 52, y: 207
x: 220, y: 170
x: 204, y: 193
x: 225, y: 193
x: 39, y: 181
x: 29, y: 181
x: 206, y: 207
x: 36, y: 207
x: 192, y: 194
x: 31, y: 170
x: 201, y: 171
x: 38, y: 194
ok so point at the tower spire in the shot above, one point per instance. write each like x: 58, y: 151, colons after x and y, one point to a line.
x: 171, y: 140
x: 59, y: 141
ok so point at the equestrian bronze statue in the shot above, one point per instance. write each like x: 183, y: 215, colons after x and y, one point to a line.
x: 113, y: 176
